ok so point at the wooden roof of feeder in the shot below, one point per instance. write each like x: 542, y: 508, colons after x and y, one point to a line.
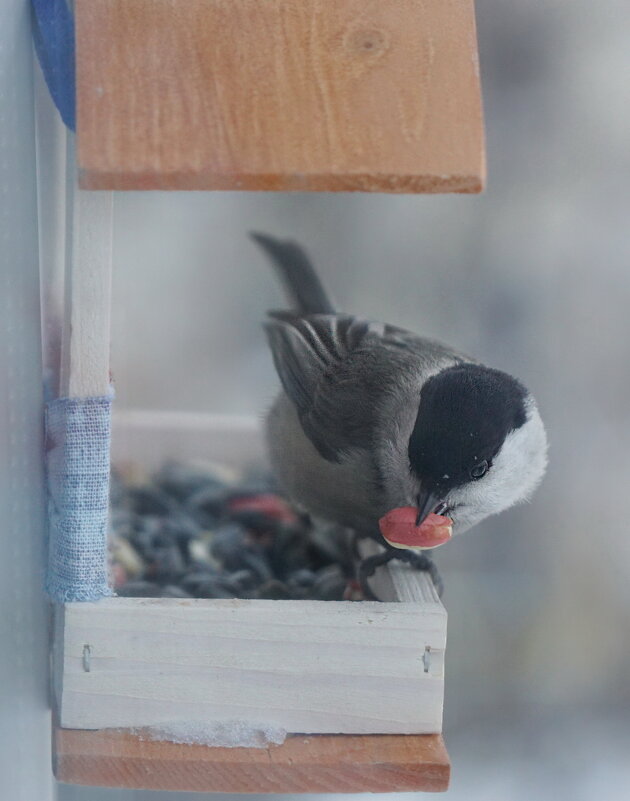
x: 315, y: 95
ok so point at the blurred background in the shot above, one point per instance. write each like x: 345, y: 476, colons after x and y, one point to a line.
x: 533, y: 278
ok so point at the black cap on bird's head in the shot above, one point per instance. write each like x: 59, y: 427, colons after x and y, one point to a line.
x: 464, y: 416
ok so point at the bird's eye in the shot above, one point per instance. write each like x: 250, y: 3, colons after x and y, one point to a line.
x: 479, y: 470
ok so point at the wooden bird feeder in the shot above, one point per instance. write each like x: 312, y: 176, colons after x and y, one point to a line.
x: 316, y: 95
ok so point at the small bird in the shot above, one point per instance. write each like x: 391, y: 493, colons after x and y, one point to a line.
x: 396, y: 436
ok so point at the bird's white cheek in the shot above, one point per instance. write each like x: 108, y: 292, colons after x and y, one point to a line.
x: 479, y: 500
x: 515, y: 473
x: 470, y: 505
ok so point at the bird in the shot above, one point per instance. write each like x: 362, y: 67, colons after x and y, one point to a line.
x: 393, y: 435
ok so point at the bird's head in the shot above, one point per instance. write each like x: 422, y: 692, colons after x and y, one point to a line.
x: 478, y: 445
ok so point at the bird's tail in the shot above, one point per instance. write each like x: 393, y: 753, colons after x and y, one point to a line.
x: 297, y: 274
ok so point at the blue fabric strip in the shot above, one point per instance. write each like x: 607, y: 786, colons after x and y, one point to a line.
x: 78, y: 434
x: 53, y: 35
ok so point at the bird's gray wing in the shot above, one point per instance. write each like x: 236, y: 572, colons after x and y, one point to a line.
x: 335, y: 368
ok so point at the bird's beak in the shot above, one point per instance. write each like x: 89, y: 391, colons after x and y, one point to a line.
x: 429, y: 502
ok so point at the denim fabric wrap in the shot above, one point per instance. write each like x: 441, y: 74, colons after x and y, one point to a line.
x: 78, y: 434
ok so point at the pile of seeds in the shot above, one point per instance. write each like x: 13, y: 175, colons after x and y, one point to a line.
x: 196, y: 531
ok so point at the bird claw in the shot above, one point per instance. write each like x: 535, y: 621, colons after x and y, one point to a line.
x: 368, y: 567
x: 418, y: 561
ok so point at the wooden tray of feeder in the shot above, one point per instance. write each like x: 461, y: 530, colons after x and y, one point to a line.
x: 316, y: 95
x: 358, y: 685
x: 332, y: 670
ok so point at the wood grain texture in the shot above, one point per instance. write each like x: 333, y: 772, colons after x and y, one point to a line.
x: 316, y: 95
x: 85, y: 342
x: 303, y: 666
x: 313, y: 764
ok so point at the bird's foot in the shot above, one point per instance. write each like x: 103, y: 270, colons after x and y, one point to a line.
x: 418, y: 561
x: 367, y: 568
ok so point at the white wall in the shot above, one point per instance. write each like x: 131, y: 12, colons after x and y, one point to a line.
x: 25, y: 768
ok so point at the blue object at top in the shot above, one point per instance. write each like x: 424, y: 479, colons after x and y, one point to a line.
x: 53, y: 34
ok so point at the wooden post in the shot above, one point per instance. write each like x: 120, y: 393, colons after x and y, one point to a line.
x: 85, y: 348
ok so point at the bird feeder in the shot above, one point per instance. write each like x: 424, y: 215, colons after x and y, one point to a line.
x: 350, y: 95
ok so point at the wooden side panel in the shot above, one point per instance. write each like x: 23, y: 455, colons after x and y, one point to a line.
x: 315, y: 764
x: 302, y: 666
x: 316, y: 95
x: 147, y: 439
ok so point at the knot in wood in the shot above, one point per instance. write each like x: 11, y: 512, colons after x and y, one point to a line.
x: 367, y: 41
